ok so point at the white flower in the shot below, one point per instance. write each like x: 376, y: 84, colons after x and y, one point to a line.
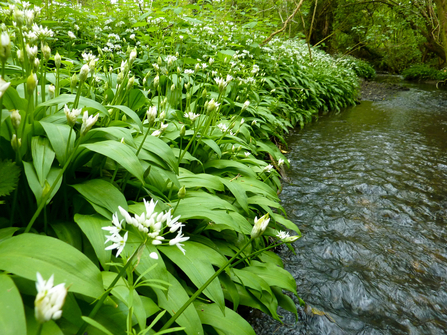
x: 188, y: 71
x: 49, y: 299
x: 151, y: 114
x: 88, y: 122
x: 191, y: 116
x: 71, y: 35
x: 85, y: 69
x: 212, y: 105
x: 118, y: 243
x: 113, y: 230
x: 177, y: 241
x: 285, y: 237
x: 260, y: 225
x: 153, y: 255
x: 132, y: 36
x: 246, y: 154
x: 268, y: 168
x: 246, y: 104
x: 72, y: 115
x: 280, y: 162
x: 3, y: 86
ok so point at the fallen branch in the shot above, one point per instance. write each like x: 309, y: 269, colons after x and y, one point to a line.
x: 285, y: 24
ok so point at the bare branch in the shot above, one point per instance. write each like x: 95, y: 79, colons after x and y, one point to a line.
x: 285, y: 24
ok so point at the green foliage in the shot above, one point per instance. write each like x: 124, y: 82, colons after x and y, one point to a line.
x: 423, y: 72
x: 361, y: 67
x: 137, y: 168
x: 10, y: 176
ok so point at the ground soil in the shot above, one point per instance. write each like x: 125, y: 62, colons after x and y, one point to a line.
x: 377, y: 91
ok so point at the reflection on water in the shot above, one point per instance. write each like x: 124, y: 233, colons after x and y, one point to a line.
x: 369, y: 193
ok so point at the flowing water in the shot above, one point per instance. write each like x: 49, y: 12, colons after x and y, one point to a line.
x: 368, y: 189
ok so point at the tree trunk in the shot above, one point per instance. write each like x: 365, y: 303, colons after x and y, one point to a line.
x: 441, y: 6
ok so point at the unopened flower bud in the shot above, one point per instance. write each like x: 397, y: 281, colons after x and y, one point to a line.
x: 156, y: 80
x: 197, y: 67
x: 46, y: 51
x: 182, y: 192
x: 83, y: 74
x: 130, y: 82
x: 132, y: 56
x: 31, y: 83
x: 20, y: 56
x: 182, y: 131
x: 57, y: 60
x: 51, y: 91
x: 159, y: 61
x: 162, y: 116
x: 16, y: 143
x: 73, y: 81
x: 204, y: 93
x: 119, y: 78
x: 151, y: 115
x: 5, y: 47
x: 173, y: 87
x: 36, y: 64
x: 16, y: 119
x: 124, y: 118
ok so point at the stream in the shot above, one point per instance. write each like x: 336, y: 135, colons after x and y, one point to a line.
x: 368, y: 190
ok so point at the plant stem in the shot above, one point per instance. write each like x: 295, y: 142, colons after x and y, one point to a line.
x: 111, y: 286
x: 200, y: 290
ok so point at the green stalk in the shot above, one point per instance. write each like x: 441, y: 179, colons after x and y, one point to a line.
x: 200, y: 290
x: 1, y: 98
x: 111, y: 286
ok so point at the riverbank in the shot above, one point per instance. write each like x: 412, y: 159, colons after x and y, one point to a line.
x: 378, y: 91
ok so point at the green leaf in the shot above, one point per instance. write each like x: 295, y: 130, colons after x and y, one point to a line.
x: 136, y: 99
x: 7, y: 232
x: 43, y: 156
x: 69, y: 233
x: 96, y: 324
x: 70, y: 98
x: 120, y: 153
x: 285, y: 301
x: 213, y: 145
x: 91, y: 226
x: 177, y: 296
x: 34, y: 183
x: 231, y: 288
x: 197, y: 264
x: 229, y: 324
x: 161, y: 149
x: 12, y: 316
x: 12, y: 100
x: 102, y: 195
x: 9, y: 177
x: 201, y: 180
x: 238, y: 191
x: 58, y: 135
x: 286, y: 223
x: 27, y: 254
x: 229, y: 166
x: 273, y: 275
x: 130, y: 113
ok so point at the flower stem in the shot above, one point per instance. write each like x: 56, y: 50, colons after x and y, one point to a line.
x: 111, y: 286
x: 204, y: 286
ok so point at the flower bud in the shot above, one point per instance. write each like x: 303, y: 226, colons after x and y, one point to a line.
x: 84, y: 73
x: 5, y: 47
x: 46, y: 51
x: 197, y: 67
x: 36, y: 64
x: 130, y: 83
x: 182, y: 131
x: 119, y: 79
x: 182, y: 192
x: 20, y: 56
x: 73, y: 81
x: 204, y: 93
x: 16, y: 118
x: 88, y: 122
x: 260, y: 225
x: 57, y: 60
x: 16, y: 143
x: 159, y: 61
x: 162, y: 116
x: 246, y: 104
x: 173, y: 87
x: 31, y: 52
x: 156, y: 81
x: 3, y: 86
x: 132, y: 56
x: 31, y: 83
x: 51, y: 91
x: 92, y: 65
x: 212, y: 105
x: 124, y: 118
x: 151, y: 115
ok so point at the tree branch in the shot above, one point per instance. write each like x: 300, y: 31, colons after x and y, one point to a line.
x: 285, y: 24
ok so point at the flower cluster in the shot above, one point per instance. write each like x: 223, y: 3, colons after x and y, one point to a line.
x: 152, y: 224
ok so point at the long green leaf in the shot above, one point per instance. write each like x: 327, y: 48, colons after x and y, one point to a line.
x: 120, y: 153
x: 27, y: 254
x: 229, y: 324
x: 197, y: 263
x: 130, y: 113
x: 161, y: 149
x: 58, y: 135
x: 12, y: 316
